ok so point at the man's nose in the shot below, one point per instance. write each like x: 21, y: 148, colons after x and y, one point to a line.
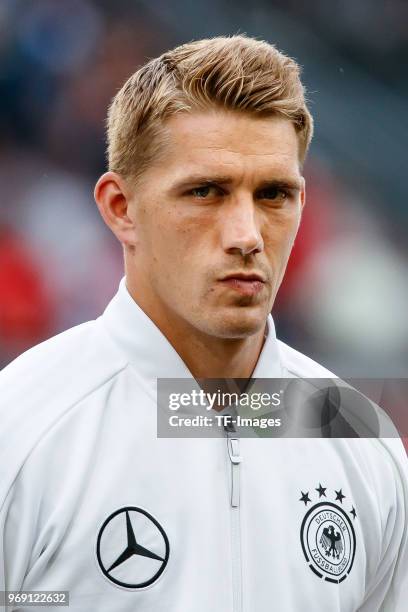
x: 240, y: 229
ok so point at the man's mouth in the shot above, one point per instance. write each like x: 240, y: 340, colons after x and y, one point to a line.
x: 245, y: 284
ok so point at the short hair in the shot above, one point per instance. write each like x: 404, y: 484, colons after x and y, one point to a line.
x: 235, y: 73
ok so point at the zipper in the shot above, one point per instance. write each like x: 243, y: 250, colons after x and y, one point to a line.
x: 233, y: 447
x: 235, y: 458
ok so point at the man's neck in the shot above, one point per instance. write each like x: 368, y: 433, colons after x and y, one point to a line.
x: 205, y: 356
x: 211, y: 357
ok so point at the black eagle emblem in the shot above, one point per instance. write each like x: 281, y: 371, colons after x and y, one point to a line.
x: 331, y: 542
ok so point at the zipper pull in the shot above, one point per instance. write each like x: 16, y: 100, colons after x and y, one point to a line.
x: 235, y: 458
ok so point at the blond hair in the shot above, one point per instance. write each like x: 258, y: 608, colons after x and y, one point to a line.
x: 235, y: 73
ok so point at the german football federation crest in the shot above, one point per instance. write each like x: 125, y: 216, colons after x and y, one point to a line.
x: 327, y: 534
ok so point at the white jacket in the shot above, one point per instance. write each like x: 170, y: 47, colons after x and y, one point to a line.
x: 92, y: 502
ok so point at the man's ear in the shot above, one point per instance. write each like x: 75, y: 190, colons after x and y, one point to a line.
x: 112, y: 195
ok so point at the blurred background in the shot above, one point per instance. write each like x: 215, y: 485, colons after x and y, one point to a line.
x: 344, y: 299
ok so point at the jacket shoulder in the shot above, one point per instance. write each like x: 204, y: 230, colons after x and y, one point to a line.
x: 78, y: 353
x: 298, y: 364
x: 39, y: 388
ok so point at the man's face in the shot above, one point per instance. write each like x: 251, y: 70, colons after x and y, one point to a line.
x: 216, y: 218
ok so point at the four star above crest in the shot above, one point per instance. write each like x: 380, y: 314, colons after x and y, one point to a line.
x: 305, y: 498
x: 322, y: 493
x: 321, y: 490
x: 339, y: 496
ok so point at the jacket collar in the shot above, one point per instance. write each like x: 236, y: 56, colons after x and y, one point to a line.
x: 149, y: 350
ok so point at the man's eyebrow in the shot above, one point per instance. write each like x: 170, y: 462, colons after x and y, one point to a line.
x: 203, y: 179
x: 294, y: 183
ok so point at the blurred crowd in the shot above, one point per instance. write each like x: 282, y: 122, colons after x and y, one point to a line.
x: 371, y: 33
x: 344, y: 298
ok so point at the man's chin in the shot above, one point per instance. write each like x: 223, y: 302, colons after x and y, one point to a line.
x: 237, y: 323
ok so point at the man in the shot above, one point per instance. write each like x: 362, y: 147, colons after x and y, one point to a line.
x: 205, y: 193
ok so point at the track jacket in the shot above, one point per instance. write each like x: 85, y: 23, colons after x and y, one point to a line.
x: 94, y: 503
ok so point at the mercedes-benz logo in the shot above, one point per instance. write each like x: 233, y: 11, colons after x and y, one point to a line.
x: 132, y: 548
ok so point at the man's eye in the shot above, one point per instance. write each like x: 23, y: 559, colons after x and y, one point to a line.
x: 204, y: 191
x: 273, y: 193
